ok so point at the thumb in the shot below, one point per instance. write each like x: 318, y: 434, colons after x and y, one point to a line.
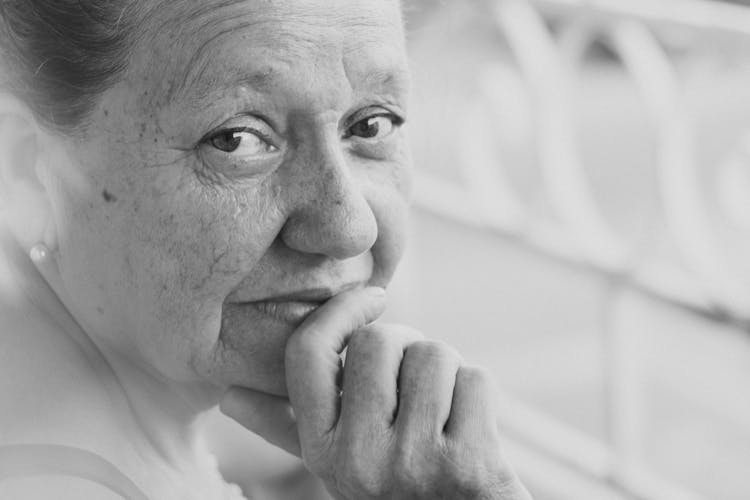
x: 271, y: 417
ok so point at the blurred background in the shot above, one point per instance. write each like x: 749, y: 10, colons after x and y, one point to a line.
x: 581, y: 226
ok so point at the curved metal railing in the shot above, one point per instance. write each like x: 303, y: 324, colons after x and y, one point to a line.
x: 550, y: 63
x: 549, y: 40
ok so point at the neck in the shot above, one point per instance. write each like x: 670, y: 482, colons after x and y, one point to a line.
x: 161, y: 417
x: 165, y: 419
x: 169, y: 415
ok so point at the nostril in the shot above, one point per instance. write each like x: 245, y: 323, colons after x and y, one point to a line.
x: 338, y: 228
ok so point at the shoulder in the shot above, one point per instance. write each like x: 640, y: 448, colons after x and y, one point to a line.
x: 57, y: 487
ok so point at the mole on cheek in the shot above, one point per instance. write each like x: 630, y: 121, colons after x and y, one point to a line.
x: 108, y: 197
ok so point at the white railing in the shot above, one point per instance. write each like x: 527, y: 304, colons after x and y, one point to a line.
x: 711, y: 16
x: 705, y: 278
x: 550, y: 64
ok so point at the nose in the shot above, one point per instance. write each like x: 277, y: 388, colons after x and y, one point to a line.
x: 331, y: 215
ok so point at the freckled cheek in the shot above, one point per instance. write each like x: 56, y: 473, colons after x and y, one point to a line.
x: 388, y: 196
x: 390, y: 187
x: 404, y: 182
x: 215, y: 248
x: 394, y: 178
x: 404, y: 172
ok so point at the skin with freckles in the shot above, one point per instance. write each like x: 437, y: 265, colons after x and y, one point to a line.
x: 250, y: 163
x: 219, y: 232
x: 163, y: 235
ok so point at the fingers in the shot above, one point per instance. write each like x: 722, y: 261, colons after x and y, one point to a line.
x: 426, y: 385
x: 473, y: 412
x: 313, y: 362
x: 271, y: 417
x: 370, y: 392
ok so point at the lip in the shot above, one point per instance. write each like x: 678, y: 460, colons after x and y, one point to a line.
x: 295, y: 306
x: 311, y: 294
x: 290, y: 312
x: 306, y: 294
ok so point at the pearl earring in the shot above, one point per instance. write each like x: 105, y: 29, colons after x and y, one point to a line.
x: 39, y: 253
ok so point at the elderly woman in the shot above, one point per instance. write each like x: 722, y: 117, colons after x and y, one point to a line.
x: 202, y: 204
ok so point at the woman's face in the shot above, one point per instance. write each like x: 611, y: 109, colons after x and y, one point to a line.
x: 250, y: 164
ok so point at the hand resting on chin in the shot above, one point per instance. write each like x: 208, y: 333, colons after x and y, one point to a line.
x: 402, y: 418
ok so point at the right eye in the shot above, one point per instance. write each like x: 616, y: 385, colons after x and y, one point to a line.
x: 245, y: 145
x: 376, y: 127
x: 241, y: 143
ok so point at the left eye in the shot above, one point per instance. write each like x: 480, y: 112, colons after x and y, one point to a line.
x: 241, y: 142
x: 374, y: 127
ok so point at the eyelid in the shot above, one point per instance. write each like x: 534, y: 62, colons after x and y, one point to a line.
x: 372, y: 111
x: 240, y: 124
x: 232, y: 130
x: 215, y: 161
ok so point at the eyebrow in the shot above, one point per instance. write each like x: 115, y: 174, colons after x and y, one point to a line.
x: 395, y: 79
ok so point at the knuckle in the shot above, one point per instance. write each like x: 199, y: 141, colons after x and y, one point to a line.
x: 468, y: 486
x: 431, y: 351
x: 467, y: 477
x: 406, y: 468
x: 368, y: 339
x: 406, y: 335
x: 360, y: 338
x: 383, y: 337
x: 359, y: 473
x: 474, y: 469
x: 476, y: 376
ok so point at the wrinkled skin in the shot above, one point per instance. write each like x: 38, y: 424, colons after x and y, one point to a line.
x: 404, y: 419
x: 160, y: 234
x: 255, y: 149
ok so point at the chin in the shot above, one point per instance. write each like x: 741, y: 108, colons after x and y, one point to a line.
x: 249, y: 353
x: 236, y: 370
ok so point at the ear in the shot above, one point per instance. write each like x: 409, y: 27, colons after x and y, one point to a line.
x: 24, y: 201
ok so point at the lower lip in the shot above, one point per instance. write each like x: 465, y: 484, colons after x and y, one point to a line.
x: 291, y: 312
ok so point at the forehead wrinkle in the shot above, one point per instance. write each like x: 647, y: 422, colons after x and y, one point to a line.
x: 202, y: 21
x: 199, y: 81
x: 186, y: 12
x: 391, y: 76
x: 197, y: 65
x: 164, y: 27
x: 294, y: 42
x: 180, y: 22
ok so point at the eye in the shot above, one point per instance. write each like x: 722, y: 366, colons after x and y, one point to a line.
x: 374, y: 127
x: 241, y: 142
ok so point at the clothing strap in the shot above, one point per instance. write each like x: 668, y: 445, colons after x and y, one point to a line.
x: 42, y: 460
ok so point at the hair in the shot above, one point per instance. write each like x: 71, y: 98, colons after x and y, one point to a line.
x: 59, y: 56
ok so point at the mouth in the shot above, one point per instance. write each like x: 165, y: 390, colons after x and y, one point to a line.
x: 294, y: 307
x: 292, y: 312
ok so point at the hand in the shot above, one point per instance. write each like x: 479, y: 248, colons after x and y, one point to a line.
x: 404, y: 419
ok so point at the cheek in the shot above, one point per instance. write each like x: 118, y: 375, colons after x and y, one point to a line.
x: 388, y: 196
x: 208, y: 239
x: 391, y: 242
x: 150, y: 258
